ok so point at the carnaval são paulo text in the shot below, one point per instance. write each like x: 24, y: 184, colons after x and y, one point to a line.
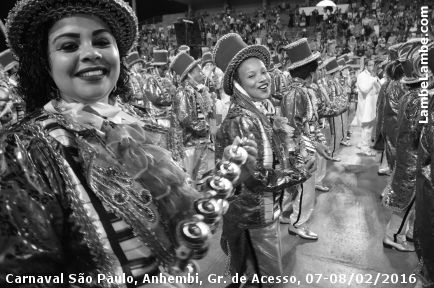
x: 81, y: 278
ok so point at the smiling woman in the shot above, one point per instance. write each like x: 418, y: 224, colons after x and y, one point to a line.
x: 251, y: 233
x: 85, y: 188
x: 84, y: 59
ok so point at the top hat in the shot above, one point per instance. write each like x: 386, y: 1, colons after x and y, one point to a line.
x: 184, y: 48
x: 26, y: 20
x: 182, y: 64
x: 331, y: 65
x: 230, y: 51
x: 300, y: 54
x: 7, y: 60
x: 133, y: 58
x: 207, y: 58
x: 160, y: 57
x: 342, y: 64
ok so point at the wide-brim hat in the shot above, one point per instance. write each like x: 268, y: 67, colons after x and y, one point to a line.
x: 182, y: 64
x: 24, y: 25
x: 133, y: 58
x: 299, y: 53
x: 331, y: 65
x: 207, y: 58
x: 160, y: 57
x: 7, y: 60
x: 230, y: 51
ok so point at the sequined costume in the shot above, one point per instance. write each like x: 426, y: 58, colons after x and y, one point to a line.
x: 78, y: 198
x: 392, y: 97
x: 192, y: 110
x: 401, y: 191
x: 11, y: 104
x: 254, y: 210
x: 424, y: 206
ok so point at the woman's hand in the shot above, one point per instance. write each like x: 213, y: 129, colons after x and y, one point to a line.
x: 251, y: 148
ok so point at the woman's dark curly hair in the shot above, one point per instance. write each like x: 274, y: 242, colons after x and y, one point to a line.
x: 35, y: 83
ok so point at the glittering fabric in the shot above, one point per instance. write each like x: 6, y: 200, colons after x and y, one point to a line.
x: 403, y: 183
x: 392, y: 97
x: 43, y: 175
x: 424, y: 209
x: 379, y: 134
x: 263, y: 185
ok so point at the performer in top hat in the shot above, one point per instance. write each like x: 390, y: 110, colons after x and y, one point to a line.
x: 85, y: 186
x: 193, y: 108
x: 298, y: 106
x: 250, y: 234
x: 12, y: 106
x: 399, y: 194
x: 424, y: 206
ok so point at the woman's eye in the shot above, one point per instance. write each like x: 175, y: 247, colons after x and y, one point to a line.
x: 102, y: 42
x: 69, y: 46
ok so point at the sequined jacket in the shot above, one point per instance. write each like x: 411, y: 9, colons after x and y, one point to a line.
x: 256, y: 203
x: 424, y: 206
x: 403, y: 182
x: 62, y: 190
x: 298, y: 108
x: 192, y: 110
x: 392, y: 97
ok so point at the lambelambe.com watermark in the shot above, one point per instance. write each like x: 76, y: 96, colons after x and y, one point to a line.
x: 424, y: 70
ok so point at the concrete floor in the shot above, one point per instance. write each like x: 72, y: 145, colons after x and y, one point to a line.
x: 350, y: 222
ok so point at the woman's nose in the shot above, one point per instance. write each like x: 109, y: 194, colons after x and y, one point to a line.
x: 90, y: 53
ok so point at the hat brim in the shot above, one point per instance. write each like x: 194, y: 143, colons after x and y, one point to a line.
x: 10, y: 66
x: 159, y: 63
x: 257, y: 51
x: 305, y: 61
x: 25, y: 20
x: 189, y: 68
x: 408, y: 80
x: 135, y: 62
x: 334, y: 70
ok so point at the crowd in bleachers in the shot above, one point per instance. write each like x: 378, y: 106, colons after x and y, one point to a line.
x: 363, y: 29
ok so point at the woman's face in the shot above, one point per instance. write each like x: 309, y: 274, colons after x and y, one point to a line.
x: 255, y: 78
x: 84, y: 59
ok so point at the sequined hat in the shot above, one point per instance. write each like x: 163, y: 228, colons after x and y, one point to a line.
x: 331, y: 65
x: 160, y: 57
x: 230, y: 51
x: 7, y: 60
x: 133, y: 58
x: 207, y: 58
x: 25, y: 23
x: 299, y: 53
x: 182, y: 64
